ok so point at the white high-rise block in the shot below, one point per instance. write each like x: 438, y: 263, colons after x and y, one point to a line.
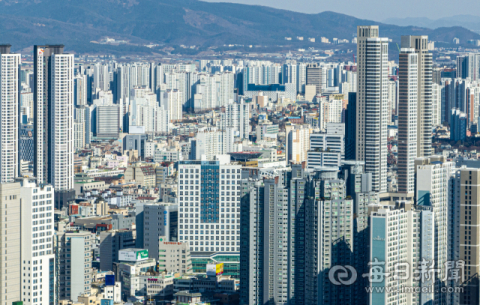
x: 407, y: 120
x: 372, y: 104
x: 54, y: 104
x: 9, y: 102
x: 38, y: 256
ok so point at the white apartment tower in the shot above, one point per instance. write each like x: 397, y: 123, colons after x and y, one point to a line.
x: 407, y: 120
x: 424, y: 93
x: 9, y: 116
x: 38, y: 256
x: 225, y: 84
x: 10, y: 258
x: 434, y: 178
x: 411, y: 231
x: 53, y: 124
x: 372, y: 104
x: 237, y: 116
x: 100, y: 77
x: 172, y: 102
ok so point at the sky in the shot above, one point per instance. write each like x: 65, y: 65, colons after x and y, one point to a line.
x: 377, y: 10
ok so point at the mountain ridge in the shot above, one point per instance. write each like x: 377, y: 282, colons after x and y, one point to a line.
x: 189, y: 22
x: 470, y: 22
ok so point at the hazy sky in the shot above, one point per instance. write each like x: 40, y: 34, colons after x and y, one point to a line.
x: 376, y: 10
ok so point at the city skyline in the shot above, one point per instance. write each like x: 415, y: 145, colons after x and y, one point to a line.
x: 295, y: 177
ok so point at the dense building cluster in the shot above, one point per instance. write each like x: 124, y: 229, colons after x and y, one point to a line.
x: 235, y: 181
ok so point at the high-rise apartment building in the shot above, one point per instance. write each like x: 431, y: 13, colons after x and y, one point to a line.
x: 237, y: 116
x: 413, y: 233
x: 468, y: 66
x: 433, y: 182
x: 372, y: 104
x: 9, y: 116
x: 407, y: 120
x: 210, y: 142
x: 209, y: 206
x: 424, y: 92
x: 301, y: 77
x: 328, y: 239
x: 37, y: 237
x: 172, y: 102
x: 289, y: 73
x: 358, y: 185
x: 74, y: 251
x: 53, y: 123
x: 266, y: 274
x: 79, y: 134
x: 466, y: 226
x: 10, y: 239
x: 100, y: 77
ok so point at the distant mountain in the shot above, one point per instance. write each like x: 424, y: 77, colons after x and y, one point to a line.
x: 467, y: 21
x: 76, y: 23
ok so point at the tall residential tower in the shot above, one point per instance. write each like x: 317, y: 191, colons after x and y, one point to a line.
x: 407, y: 120
x: 9, y: 118
x: 424, y: 93
x: 372, y: 104
x: 53, y: 124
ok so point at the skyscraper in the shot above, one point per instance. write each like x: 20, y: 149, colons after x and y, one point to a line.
x: 399, y: 223
x: 53, y: 123
x: 328, y: 239
x: 434, y: 178
x: 10, y: 237
x: 467, y: 232
x: 265, y: 253
x: 9, y: 116
x: 407, y: 120
x: 37, y: 240
x: 424, y: 93
x: 372, y: 104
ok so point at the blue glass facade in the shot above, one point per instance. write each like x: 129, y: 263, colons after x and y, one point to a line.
x: 210, y: 187
x: 378, y: 240
x: 51, y: 280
